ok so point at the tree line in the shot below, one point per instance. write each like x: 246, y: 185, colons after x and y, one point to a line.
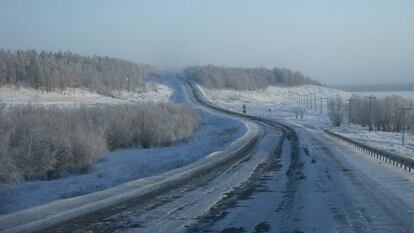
x: 57, y: 71
x: 47, y: 142
x: 245, y: 78
x: 381, y: 114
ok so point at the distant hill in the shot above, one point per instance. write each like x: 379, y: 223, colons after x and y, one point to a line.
x: 376, y: 87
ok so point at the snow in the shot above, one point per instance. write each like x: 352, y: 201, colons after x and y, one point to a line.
x: 272, y: 94
x: 281, y: 102
x: 216, y: 132
x: 57, y: 212
x: 388, y: 141
x: 75, y: 96
x: 343, y: 189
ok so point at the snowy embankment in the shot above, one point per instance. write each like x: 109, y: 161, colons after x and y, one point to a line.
x: 282, y: 103
x: 75, y: 96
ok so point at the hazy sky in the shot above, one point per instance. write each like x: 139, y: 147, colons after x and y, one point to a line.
x: 336, y: 42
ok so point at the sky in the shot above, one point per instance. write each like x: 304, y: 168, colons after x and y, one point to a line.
x: 335, y: 42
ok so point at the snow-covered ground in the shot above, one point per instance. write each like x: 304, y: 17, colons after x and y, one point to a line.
x: 120, y: 166
x: 75, y: 96
x: 388, y: 141
x: 216, y: 132
x: 281, y: 102
x: 272, y: 95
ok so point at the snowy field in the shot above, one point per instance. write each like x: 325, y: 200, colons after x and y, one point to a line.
x: 281, y: 103
x: 272, y: 95
x: 75, y: 96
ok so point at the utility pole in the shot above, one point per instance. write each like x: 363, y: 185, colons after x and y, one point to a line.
x: 371, y: 99
x: 327, y: 99
x: 321, y: 104
x: 326, y: 118
x: 350, y: 110
x: 306, y: 100
x: 403, y: 110
x: 311, y: 100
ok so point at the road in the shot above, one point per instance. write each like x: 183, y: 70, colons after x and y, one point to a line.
x: 294, y: 180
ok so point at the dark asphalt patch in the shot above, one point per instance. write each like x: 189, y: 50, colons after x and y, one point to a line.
x: 262, y: 227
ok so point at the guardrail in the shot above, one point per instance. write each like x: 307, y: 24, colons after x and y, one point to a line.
x: 396, y: 160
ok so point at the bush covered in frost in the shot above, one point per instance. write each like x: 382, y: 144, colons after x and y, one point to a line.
x: 45, y: 143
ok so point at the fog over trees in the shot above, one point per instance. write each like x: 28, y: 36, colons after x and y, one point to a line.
x: 56, y: 71
x: 44, y: 143
x: 245, y: 78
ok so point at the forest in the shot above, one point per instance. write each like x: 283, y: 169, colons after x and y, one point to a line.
x: 56, y: 71
x: 245, y: 78
x: 48, y: 142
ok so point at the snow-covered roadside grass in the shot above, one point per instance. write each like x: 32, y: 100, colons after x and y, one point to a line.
x: 388, y: 141
x: 75, y: 96
x: 125, y: 165
x: 281, y: 102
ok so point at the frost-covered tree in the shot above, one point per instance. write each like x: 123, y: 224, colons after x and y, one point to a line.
x: 51, y: 71
x: 299, y: 112
x: 335, y: 111
x: 245, y: 78
x: 44, y: 143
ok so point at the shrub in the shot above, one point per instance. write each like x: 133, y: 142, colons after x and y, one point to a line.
x: 44, y: 143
